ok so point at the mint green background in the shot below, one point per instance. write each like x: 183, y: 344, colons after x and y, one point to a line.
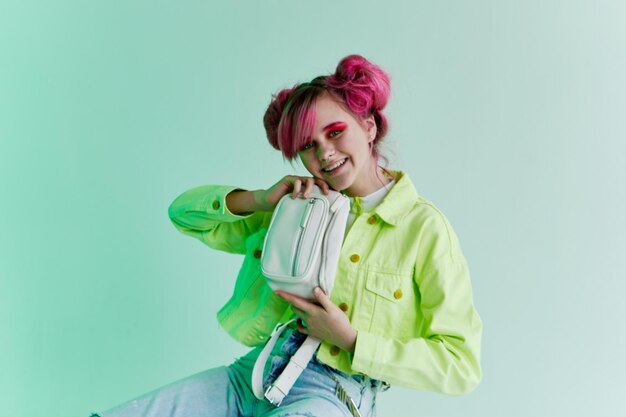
x: 508, y: 115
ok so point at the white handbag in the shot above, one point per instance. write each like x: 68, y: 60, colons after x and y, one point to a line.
x: 303, y: 241
x: 300, y: 252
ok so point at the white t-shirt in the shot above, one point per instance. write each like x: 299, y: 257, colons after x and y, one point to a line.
x: 368, y: 202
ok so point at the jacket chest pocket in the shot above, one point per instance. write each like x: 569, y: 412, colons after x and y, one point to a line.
x: 392, y: 301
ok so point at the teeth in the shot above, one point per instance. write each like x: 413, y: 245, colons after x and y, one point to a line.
x: 337, y: 165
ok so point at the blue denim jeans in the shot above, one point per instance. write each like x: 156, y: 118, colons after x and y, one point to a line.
x: 227, y: 392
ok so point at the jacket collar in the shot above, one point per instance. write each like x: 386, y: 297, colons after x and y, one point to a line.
x: 399, y: 201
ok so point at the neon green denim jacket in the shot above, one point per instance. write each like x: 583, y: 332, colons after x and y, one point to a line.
x: 402, y: 280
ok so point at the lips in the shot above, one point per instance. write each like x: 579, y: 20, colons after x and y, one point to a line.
x: 332, y: 167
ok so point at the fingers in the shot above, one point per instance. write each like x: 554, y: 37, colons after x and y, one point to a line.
x: 297, y: 185
x: 300, y: 307
x: 293, y: 185
x: 306, y: 307
x: 309, y: 187
x: 304, y: 185
x: 302, y: 326
x: 323, y: 185
x: 300, y: 313
x: 323, y: 299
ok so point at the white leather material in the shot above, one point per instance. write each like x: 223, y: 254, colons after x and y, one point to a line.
x: 300, y: 252
x: 277, y: 391
x: 301, y: 248
x: 298, y: 362
x: 259, y: 365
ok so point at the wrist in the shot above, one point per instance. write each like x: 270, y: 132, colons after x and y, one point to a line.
x: 350, y: 342
x: 259, y: 200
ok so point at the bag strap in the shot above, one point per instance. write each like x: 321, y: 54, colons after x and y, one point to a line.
x: 277, y: 391
x: 259, y: 365
x: 297, y: 363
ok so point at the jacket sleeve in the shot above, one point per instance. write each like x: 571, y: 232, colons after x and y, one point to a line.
x: 202, y: 213
x: 446, y: 358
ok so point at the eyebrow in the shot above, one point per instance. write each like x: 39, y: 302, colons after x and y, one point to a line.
x: 333, y: 125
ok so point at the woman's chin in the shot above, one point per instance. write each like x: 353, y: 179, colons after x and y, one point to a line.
x: 336, y: 184
x: 339, y: 180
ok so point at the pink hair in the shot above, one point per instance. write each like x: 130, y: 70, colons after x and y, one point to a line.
x: 360, y: 86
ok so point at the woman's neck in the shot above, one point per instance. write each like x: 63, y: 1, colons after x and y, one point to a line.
x: 379, y: 178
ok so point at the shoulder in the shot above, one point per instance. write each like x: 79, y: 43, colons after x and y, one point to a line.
x: 427, y: 223
x: 418, y: 208
x: 427, y: 212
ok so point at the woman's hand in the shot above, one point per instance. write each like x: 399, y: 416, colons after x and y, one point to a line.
x: 267, y: 199
x: 325, y: 320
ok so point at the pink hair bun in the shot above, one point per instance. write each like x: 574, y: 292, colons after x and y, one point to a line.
x: 364, y: 85
x: 272, y: 116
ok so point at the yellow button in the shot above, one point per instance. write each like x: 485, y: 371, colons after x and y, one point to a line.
x: 334, y: 351
x: 216, y: 205
x: 355, y: 258
x: 397, y: 294
x: 257, y: 253
x: 343, y: 307
x: 372, y: 219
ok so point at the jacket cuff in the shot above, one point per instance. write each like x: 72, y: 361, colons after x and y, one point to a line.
x: 365, y: 351
x: 218, y: 204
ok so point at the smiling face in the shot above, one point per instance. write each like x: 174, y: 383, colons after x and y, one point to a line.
x: 339, y: 150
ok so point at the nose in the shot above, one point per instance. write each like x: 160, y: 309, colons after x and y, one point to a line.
x: 325, y: 150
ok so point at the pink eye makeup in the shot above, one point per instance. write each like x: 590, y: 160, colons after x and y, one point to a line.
x: 331, y: 130
x: 334, y: 127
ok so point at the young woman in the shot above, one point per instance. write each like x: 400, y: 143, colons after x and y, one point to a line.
x: 401, y: 309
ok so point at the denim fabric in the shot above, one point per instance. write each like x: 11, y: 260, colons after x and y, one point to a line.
x: 227, y: 392
x: 280, y: 359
